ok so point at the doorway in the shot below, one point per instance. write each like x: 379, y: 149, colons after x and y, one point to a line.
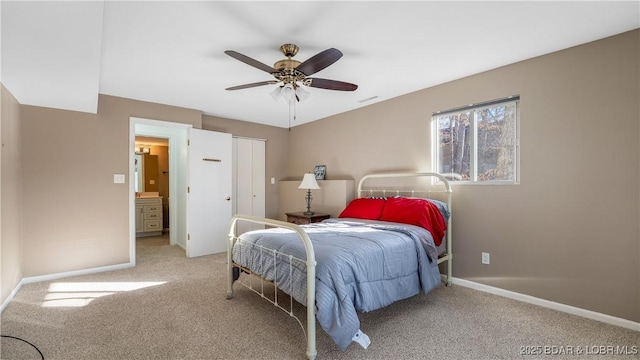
x: 175, y: 135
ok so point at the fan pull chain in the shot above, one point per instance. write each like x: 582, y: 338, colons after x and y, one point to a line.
x: 292, y: 105
x: 289, y: 115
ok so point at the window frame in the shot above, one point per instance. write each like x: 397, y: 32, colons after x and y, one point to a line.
x: 473, y: 158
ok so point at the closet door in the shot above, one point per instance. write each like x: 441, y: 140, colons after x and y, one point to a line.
x: 249, y: 182
x: 258, y: 178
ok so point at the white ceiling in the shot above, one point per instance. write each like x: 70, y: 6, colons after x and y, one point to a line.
x: 62, y: 54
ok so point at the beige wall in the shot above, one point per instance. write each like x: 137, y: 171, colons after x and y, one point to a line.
x: 276, y: 152
x: 332, y: 197
x: 569, y: 232
x: 10, y: 195
x: 75, y: 216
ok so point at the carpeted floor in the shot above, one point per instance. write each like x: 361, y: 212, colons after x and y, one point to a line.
x: 171, y: 307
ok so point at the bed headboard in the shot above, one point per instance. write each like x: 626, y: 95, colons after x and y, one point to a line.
x: 426, y: 185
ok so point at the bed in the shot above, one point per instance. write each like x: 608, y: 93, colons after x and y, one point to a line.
x: 385, y: 246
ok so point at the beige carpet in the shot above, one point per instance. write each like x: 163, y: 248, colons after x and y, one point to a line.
x: 171, y: 307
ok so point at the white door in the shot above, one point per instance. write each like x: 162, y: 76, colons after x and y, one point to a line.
x: 209, y: 198
x: 258, y: 179
x: 249, y: 183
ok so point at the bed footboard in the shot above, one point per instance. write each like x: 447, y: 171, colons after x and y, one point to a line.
x: 310, y: 266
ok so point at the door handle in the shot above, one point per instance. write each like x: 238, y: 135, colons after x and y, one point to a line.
x: 228, y: 198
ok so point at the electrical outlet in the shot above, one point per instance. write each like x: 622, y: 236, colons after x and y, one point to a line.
x: 485, y: 258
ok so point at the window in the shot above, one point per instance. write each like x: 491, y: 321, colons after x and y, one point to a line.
x: 478, y: 143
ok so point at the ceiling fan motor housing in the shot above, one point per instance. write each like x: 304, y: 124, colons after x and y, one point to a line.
x: 287, y: 72
x: 286, y: 65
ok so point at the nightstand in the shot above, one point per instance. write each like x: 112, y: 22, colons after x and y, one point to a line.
x: 299, y: 218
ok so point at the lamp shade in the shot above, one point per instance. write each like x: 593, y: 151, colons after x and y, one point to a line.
x: 290, y: 92
x: 309, y: 182
x: 275, y: 94
x: 302, y: 94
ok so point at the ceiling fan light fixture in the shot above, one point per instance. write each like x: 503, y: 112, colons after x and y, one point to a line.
x: 285, y: 92
x: 288, y: 92
x: 275, y: 94
x: 302, y: 94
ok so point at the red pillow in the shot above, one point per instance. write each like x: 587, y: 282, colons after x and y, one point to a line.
x: 363, y: 208
x: 413, y: 211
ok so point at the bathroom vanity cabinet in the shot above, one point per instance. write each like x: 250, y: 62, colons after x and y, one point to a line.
x: 148, y: 216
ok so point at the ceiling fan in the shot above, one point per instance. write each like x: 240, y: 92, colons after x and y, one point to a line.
x: 293, y: 73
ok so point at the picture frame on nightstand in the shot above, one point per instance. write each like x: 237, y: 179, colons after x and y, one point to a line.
x: 320, y: 171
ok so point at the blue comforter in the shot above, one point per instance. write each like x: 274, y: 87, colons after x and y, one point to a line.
x: 361, y: 266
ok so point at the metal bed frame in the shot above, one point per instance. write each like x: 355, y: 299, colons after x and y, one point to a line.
x: 310, y: 261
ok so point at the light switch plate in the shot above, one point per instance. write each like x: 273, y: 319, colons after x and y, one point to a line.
x: 118, y: 178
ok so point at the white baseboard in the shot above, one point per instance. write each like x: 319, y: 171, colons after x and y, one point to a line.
x: 628, y: 324
x: 10, y: 297
x: 35, y: 279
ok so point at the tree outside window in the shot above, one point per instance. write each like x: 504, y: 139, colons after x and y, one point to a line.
x: 478, y: 143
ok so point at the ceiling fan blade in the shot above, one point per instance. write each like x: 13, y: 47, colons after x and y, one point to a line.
x: 246, y: 86
x: 330, y: 84
x: 319, y: 61
x: 249, y: 61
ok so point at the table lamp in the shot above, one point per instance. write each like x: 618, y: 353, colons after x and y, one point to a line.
x: 309, y: 182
